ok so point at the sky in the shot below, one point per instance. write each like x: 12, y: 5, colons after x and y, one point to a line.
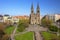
x: 23, y: 7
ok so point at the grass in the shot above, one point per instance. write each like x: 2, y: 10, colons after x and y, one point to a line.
x: 9, y: 30
x: 17, y: 31
x: 48, y: 36
x: 26, y: 36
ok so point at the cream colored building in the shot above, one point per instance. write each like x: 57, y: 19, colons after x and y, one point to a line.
x: 5, y: 18
x: 10, y: 19
x: 15, y: 20
x: 54, y: 17
x: 1, y: 18
x: 57, y: 17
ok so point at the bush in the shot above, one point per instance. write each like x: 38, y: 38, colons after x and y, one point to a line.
x: 22, y: 25
x: 5, y: 37
x: 53, y: 28
x: 46, y: 22
x: 59, y: 30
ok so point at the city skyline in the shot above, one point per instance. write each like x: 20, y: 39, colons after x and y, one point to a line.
x: 23, y: 7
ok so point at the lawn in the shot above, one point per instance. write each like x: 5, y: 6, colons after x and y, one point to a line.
x: 26, y: 36
x: 48, y: 36
x: 17, y: 31
x: 9, y: 30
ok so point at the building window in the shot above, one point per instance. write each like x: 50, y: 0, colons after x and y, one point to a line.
x: 37, y: 11
x: 32, y: 20
x: 32, y: 11
x: 35, y: 17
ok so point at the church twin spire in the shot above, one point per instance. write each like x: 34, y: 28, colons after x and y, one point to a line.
x: 35, y: 18
x: 37, y: 10
x: 32, y: 9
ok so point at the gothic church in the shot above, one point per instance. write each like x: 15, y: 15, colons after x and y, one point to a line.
x: 35, y: 17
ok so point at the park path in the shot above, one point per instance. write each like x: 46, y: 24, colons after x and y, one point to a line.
x: 21, y: 33
x: 12, y: 35
x: 38, y: 36
x: 35, y: 28
x: 37, y: 31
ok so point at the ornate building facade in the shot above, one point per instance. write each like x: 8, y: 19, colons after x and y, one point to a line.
x: 35, y: 17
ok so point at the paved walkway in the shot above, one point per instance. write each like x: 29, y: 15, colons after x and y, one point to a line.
x: 37, y: 29
x: 21, y: 33
x: 38, y: 36
x: 12, y: 35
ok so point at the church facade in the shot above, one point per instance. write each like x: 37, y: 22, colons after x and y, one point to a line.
x: 35, y: 17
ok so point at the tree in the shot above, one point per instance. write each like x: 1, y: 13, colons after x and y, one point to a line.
x: 53, y: 28
x: 22, y: 25
x: 1, y: 30
x: 46, y: 22
x: 3, y: 35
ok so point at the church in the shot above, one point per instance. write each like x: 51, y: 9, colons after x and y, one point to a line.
x: 35, y: 17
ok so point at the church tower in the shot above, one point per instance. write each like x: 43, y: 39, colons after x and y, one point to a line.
x: 35, y: 17
x: 32, y: 9
x: 38, y: 14
x: 32, y: 15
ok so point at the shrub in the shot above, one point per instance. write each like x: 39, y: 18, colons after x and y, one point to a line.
x: 21, y: 28
x: 53, y: 28
x: 22, y: 25
x: 46, y: 22
x: 5, y: 37
x: 59, y: 33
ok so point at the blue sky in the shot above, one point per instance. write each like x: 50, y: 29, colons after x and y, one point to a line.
x: 22, y: 7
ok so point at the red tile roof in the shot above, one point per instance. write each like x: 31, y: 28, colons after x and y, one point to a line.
x: 21, y: 17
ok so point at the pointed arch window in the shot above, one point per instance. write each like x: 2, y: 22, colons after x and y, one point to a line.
x: 32, y: 11
x: 37, y: 11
